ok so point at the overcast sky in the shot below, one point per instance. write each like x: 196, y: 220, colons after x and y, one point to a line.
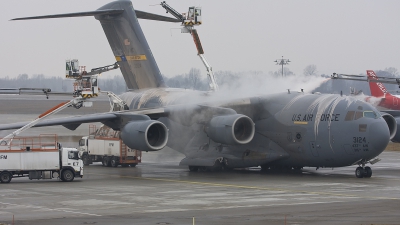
x: 339, y: 36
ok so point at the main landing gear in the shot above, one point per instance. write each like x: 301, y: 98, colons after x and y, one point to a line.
x: 363, y: 172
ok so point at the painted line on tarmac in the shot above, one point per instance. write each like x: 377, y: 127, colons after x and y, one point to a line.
x: 253, y: 187
x: 48, y: 209
x: 236, y: 207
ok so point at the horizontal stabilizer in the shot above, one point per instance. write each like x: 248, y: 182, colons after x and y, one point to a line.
x: 139, y: 14
x: 78, y: 14
x: 151, y: 16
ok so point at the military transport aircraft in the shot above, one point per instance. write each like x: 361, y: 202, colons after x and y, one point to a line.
x: 285, y: 130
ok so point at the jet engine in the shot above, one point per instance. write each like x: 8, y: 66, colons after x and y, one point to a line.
x: 148, y: 135
x: 393, y: 125
x: 231, y: 129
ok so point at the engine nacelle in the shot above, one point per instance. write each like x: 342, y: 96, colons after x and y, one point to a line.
x: 147, y: 135
x: 393, y: 125
x: 231, y: 129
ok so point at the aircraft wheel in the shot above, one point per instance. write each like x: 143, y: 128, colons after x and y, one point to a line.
x: 5, y: 177
x: 367, y: 172
x: 193, y: 168
x: 360, y: 172
x: 216, y: 168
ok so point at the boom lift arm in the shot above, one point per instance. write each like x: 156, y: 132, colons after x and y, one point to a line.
x: 200, y: 52
x: 193, y: 18
x: 76, y: 102
x: 173, y: 12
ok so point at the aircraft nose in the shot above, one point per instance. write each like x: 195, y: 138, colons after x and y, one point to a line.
x: 379, y: 137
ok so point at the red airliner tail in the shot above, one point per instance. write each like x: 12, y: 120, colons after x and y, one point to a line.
x: 377, y: 88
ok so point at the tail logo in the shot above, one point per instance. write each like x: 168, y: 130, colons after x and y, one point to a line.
x: 130, y: 58
x: 372, y: 76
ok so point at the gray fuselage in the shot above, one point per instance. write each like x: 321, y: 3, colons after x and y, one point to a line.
x: 293, y: 129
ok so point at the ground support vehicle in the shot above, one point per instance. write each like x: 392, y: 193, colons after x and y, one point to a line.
x: 39, y: 158
x: 105, y: 145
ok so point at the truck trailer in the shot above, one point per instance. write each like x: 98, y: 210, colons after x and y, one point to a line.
x: 105, y: 145
x: 26, y: 158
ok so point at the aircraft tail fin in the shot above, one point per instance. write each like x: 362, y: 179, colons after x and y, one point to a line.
x: 377, y: 88
x: 127, y: 41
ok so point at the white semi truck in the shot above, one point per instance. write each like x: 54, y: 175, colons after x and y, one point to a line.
x: 36, y: 161
x: 104, y: 145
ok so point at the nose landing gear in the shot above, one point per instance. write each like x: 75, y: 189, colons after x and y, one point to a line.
x: 363, y: 171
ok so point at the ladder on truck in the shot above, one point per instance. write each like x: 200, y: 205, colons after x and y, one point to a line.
x: 189, y: 20
x: 74, y: 102
x: 124, y: 154
x: 41, y: 143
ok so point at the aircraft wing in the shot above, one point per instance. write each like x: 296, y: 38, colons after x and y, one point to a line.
x: 66, y: 121
x: 113, y: 119
x: 184, y: 114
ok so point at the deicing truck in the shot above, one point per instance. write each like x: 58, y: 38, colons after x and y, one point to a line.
x: 24, y: 157
x: 105, y: 145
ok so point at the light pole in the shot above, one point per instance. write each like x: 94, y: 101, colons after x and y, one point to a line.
x: 282, y: 62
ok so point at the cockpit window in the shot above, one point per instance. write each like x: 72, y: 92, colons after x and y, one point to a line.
x: 355, y: 115
x: 358, y: 115
x: 370, y: 114
x: 349, y: 116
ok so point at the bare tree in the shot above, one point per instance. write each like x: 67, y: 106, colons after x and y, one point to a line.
x: 278, y: 73
x: 310, y: 70
x: 23, y: 76
x: 193, y: 78
x: 393, y: 71
x: 287, y: 72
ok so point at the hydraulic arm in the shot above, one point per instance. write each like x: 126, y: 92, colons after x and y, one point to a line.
x: 189, y: 20
x: 7, y: 139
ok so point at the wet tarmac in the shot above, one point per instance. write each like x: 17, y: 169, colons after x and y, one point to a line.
x: 158, y: 191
